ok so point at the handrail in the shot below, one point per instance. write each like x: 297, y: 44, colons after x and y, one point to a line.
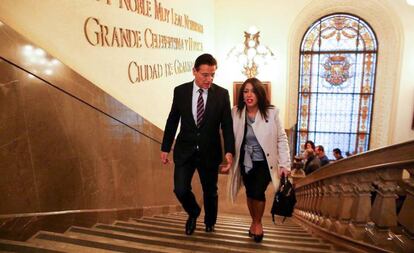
x: 394, y: 154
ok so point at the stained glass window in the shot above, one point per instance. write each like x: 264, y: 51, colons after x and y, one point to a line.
x: 338, y: 60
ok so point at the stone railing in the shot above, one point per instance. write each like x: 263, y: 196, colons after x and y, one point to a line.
x: 364, y: 203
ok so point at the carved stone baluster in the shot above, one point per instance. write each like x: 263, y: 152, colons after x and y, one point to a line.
x: 346, y: 199
x: 361, y: 208
x: 333, y: 205
x: 304, y: 196
x: 298, y: 199
x: 406, y: 217
x: 307, y: 202
x: 312, y: 202
x: 383, y: 212
x: 310, y: 198
x: 325, y: 204
x: 301, y: 198
x: 315, y: 207
x: 300, y: 202
x: 318, y: 208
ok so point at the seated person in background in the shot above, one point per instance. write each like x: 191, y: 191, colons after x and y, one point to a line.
x: 312, y: 162
x: 337, y: 153
x: 309, y: 144
x: 320, y: 152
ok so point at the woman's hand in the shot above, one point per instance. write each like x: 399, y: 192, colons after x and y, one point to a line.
x: 283, y: 171
x: 229, y: 161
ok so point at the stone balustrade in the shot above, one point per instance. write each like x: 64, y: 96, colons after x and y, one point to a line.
x: 367, y: 199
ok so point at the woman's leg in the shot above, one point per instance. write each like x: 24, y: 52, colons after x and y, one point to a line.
x: 262, y: 179
x: 256, y: 183
x: 251, y: 211
x: 258, y: 211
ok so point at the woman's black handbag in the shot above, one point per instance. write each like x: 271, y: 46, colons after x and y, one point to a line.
x: 284, y: 200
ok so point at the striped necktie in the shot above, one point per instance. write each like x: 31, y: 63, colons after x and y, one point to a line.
x: 200, y: 107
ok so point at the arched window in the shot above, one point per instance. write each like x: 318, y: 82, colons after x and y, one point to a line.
x: 338, y: 60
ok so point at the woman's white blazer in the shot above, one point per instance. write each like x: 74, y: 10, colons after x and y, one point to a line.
x: 271, y: 137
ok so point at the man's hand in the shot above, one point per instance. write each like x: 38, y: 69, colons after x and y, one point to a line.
x: 164, y: 158
x: 284, y: 171
x: 229, y: 161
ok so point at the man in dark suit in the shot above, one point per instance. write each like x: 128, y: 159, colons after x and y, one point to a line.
x: 202, y: 107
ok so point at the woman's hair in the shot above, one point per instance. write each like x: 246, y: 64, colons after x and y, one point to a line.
x: 258, y: 89
x: 311, y: 143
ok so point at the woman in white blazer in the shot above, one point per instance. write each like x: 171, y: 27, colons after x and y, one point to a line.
x: 262, y: 151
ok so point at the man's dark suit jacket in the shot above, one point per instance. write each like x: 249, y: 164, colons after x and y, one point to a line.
x: 206, y: 138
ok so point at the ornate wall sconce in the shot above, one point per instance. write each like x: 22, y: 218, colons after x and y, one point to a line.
x: 251, y: 54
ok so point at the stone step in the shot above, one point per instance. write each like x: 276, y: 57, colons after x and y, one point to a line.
x: 16, y: 246
x: 230, y: 223
x: 179, y: 228
x: 151, y: 220
x: 165, y: 233
x: 245, y: 222
x: 193, y: 242
x: 217, y: 235
x: 289, y: 222
x: 142, y: 243
x: 173, y: 241
x: 75, y: 243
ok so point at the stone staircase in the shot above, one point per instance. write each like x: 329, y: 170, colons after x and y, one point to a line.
x: 165, y: 233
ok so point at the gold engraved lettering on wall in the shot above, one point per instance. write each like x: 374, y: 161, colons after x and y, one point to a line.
x: 139, y: 73
x: 141, y: 7
x: 182, y: 67
x: 143, y: 72
x: 161, y: 13
x: 192, y: 25
x: 98, y: 34
x: 154, y: 40
x: 193, y: 45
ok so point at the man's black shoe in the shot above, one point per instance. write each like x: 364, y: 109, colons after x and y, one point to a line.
x: 209, y: 229
x: 190, y: 225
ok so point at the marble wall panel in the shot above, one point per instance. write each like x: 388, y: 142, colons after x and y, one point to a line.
x: 13, y: 48
x: 12, y: 121
x: 59, y: 185
x: 18, y: 191
x: 17, y: 181
x: 98, y: 183
x: 70, y: 154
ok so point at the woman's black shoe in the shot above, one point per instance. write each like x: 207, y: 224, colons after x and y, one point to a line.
x: 258, y: 238
x: 250, y: 233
